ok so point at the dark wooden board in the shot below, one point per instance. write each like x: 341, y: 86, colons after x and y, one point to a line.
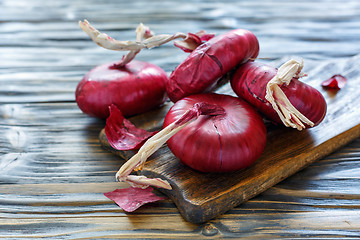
x: 203, y: 196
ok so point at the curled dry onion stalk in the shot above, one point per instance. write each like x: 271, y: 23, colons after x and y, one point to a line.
x: 142, y: 32
x: 144, y: 39
x: 288, y: 114
x: 155, y: 142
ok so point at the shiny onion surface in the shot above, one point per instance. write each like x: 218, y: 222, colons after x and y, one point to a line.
x: 135, y: 88
x: 221, y: 143
x: 250, y: 80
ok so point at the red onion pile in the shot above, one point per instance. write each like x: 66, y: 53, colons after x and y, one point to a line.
x: 208, y: 132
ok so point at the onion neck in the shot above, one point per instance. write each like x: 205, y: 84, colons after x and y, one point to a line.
x: 288, y: 114
x: 155, y: 142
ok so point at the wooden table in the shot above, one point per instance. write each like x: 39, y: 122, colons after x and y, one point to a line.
x: 53, y: 170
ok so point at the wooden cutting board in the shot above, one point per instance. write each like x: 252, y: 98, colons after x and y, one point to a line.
x: 203, y: 196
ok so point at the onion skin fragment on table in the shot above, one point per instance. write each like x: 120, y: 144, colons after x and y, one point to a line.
x: 335, y: 82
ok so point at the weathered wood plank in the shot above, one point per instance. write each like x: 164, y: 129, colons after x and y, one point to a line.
x: 53, y: 170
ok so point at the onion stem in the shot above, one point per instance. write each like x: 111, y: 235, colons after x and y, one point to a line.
x: 288, y: 114
x: 155, y: 142
x: 142, y: 31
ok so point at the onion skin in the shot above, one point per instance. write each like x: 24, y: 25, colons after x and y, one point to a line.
x: 135, y: 88
x: 223, y: 143
x: 249, y: 82
x: 210, y: 61
x: 122, y: 134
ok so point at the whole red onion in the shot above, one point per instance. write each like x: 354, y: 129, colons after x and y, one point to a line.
x: 210, y: 61
x: 134, y: 88
x: 217, y: 143
x: 298, y: 104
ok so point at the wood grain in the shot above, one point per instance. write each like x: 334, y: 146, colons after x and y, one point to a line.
x: 53, y: 169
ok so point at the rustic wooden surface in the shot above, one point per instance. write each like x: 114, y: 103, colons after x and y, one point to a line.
x: 53, y: 169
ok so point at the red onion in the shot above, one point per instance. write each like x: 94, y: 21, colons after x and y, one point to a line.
x: 220, y: 143
x: 210, y: 61
x: 279, y: 95
x: 134, y: 88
